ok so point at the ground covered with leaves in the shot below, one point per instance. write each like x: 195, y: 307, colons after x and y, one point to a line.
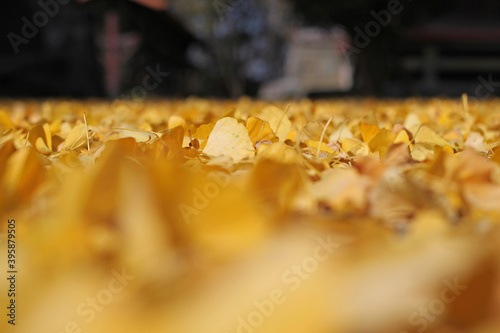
x: 248, y: 216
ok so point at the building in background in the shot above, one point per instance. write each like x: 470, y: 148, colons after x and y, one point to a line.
x: 315, y: 64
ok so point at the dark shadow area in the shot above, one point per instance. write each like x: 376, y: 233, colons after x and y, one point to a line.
x: 269, y: 49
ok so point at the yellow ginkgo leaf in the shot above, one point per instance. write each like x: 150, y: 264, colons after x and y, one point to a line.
x: 260, y: 130
x: 427, y: 135
x: 383, y: 138
x: 277, y: 119
x: 324, y: 147
x: 402, y: 137
x: 137, y: 134
x: 229, y: 138
x: 76, y: 138
x: 368, y: 131
x: 42, y: 147
x: 175, y: 121
x: 55, y: 126
x: 354, y: 146
x: 446, y: 149
x: 278, y: 152
x: 412, y: 122
x: 23, y: 173
x: 342, y: 132
x: 203, y: 132
x: 48, y: 135
x: 173, y: 139
x: 5, y: 121
x: 41, y: 138
x: 422, y: 151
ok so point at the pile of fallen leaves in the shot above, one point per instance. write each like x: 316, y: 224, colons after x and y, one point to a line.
x: 249, y: 216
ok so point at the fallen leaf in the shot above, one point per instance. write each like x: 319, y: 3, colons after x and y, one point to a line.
x: 383, y: 138
x: 260, y: 130
x: 229, y: 138
x: 368, y: 131
x: 278, y: 120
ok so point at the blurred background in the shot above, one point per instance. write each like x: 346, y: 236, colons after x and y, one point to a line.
x: 272, y: 49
